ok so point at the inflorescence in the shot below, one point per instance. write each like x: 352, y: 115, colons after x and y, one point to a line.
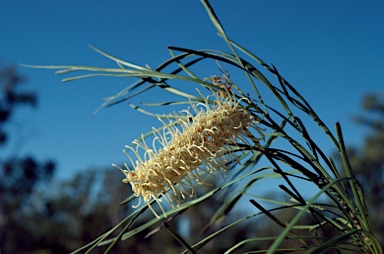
x: 195, y: 143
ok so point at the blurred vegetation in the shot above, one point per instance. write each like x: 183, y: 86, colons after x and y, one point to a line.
x: 368, y: 160
x: 19, y: 175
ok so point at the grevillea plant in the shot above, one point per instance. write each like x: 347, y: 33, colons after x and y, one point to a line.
x: 245, y: 136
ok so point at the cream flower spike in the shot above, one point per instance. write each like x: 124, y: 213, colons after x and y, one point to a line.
x: 193, y: 144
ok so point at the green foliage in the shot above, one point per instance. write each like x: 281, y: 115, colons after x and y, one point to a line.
x: 332, y: 217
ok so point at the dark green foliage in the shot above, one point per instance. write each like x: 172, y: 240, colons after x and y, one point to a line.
x: 11, y: 98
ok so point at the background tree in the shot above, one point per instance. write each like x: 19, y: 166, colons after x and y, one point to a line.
x: 78, y: 210
x: 18, y: 175
x: 368, y: 161
x: 81, y: 209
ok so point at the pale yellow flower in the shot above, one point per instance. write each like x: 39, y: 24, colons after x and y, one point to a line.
x: 196, y: 143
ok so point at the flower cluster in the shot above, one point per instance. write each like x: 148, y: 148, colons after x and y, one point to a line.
x: 195, y: 143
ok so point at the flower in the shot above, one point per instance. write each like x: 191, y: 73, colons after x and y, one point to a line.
x: 193, y: 144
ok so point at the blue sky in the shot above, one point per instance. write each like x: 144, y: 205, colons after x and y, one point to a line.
x: 331, y: 51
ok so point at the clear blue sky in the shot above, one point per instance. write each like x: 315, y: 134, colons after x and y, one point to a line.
x: 331, y: 51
